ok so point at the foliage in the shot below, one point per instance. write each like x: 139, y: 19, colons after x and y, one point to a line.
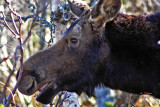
x: 109, y: 104
x: 1, y: 105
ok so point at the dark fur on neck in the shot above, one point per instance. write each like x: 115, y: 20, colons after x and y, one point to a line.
x: 134, y: 60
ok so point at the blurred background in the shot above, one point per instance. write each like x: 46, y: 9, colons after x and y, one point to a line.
x: 43, y: 23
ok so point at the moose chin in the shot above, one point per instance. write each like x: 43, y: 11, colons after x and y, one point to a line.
x: 102, y: 47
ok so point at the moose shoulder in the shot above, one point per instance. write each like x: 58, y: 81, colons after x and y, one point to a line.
x: 101, y: 47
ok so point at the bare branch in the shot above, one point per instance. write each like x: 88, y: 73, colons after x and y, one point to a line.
x: 146, y: 99
x: 19, y: 77
x: 13, y: 70
x: 9, y: 26
x: 14, y: 24
x: 17, y: 35
x: 126, y: 100
x: 33, y: 21
x: 4, y: 59
x: 8, y: 90
x: 23, y: 18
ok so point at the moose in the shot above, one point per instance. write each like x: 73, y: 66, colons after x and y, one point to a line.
x: 103, y: 46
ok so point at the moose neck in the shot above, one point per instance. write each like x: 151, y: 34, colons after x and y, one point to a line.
x: 133, y: 51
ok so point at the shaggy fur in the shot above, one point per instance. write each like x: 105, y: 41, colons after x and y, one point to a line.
x: 134, y: 62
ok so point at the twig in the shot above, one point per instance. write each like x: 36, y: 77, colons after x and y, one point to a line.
x: 125, y: 99
x: 16, y: 20
x: 8, y: 90
x: 19, y: 78
x: 17, y: 35
x: 33, y: 21
x: 65, y: 96
x: 30, y: 30
x: 59, y: 98
x: 8, y: 79
x: 25, y: 18
x: 130, y: 102
x: 14, y: 24
x: 4, y: 59
x: 8, y: 25
x: 6, y: 42
x: 21, y: 51
x: 8, y: 57
x: 150, y: 104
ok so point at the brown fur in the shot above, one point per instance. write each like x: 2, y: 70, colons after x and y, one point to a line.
x: 124, y: 54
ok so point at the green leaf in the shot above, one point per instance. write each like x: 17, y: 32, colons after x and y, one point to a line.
x: 1, y: 105
x: 109, y: 104
x: 26, y: 102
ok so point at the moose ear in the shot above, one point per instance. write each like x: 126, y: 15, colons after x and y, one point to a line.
x: 78, y: 7
x: 104, y: 11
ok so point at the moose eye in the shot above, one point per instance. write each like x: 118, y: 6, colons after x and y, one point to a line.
x: 74, y: 40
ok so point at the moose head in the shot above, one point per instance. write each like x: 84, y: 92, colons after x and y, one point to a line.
x: 101, y: 47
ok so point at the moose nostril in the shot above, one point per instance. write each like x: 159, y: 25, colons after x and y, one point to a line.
x: 17, y: 74
x: 27, y: 85
x: 30, y: 88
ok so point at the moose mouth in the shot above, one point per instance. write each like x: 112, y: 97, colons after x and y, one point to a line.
x: 48, y: 92
x: 51, y: 89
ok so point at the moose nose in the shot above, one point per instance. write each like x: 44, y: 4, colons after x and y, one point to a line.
x: 27, y: 85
